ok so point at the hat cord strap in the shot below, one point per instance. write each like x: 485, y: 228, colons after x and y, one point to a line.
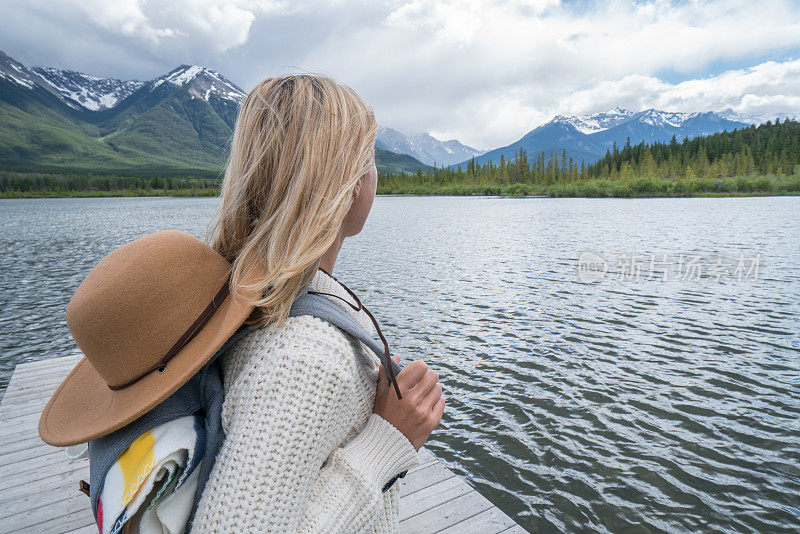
x: 187, y: 336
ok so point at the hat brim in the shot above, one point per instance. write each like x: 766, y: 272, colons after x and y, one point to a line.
x: 84, y: 407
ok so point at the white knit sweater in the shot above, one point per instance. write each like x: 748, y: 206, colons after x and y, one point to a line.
x: 303, y: 451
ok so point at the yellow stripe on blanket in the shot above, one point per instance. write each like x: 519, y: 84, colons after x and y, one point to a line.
x: 136, y: 463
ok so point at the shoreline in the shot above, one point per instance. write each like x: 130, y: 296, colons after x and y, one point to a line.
x: 203, y: 194
x: 44, y: 185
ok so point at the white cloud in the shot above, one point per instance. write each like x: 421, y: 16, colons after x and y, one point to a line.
x: 218, y: 25
x: 482, y: 71
x: 487, y: 71
x: 770, y: 87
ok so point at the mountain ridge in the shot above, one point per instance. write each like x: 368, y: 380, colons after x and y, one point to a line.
x: 586, y: 138
x: 181, y: 121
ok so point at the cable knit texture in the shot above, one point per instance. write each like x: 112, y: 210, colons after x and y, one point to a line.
x: 303, y: 450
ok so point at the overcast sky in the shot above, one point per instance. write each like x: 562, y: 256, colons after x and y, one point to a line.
x: 482, y: 71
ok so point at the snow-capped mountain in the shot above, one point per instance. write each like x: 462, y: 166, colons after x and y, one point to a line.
x: 589, y: 124
x: 588, y: 137
x: 598, y: 122
x: 425, y: 147
x: 201, y: 82
x: 87, y: 91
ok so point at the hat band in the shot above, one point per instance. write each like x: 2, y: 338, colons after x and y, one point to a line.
x: 187, y: 336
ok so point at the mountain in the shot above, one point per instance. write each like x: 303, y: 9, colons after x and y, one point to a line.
x: 201, y: 82
x: 552, y: 137
x: 653, y: 125
x: 424, y: 147
x: 587, y: 138
x: 178, y: 123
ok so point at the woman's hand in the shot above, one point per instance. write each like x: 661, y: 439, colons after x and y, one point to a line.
x: 420, y: 410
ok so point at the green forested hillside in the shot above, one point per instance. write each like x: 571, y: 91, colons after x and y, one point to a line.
x: 161, y: 130
x: 769, y: 149
x: 39, y: 132
x: 763, y: 159
x: 393, y: 163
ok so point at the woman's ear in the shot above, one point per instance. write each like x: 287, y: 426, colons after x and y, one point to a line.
x: 357, y: 188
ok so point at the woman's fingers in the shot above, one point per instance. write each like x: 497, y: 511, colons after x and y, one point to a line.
x: 412, y: 374
x: 426, y: 384
x: 438, y: 411
x: 433, y: 396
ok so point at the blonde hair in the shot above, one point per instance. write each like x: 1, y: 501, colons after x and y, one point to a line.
x: 300, y: 144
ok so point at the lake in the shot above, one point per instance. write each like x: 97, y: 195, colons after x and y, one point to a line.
x: 609, y: 365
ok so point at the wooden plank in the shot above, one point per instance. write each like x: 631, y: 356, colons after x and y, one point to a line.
x: 40, y: 492
x: 17, y: 442
x: 491, y: 521
x: 40, y: 448
x: 23, y: 406
x: 26, y: 502
x: 423, y: 478
x: 19, y: 422
x: 21, y: 429
x: 59, y: 468
x: 425, y: 499
x: 62, y: 523
x: 64, y: 361
x: 40, y: 370
x: 29, y: 391
x: 31, y: 465
x: 42, y: 374
x: 447, y: 514
x: 50, y: 503
x: 516, y: 529
x: 67, y: 480
x: 31, y: 442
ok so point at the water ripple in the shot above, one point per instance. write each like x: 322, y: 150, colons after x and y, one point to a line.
x: 621, y: 406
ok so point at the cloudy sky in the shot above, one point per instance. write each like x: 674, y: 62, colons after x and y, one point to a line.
x: 482, y: 71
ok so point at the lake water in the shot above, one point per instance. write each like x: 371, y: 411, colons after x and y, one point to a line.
x: 662, y: 396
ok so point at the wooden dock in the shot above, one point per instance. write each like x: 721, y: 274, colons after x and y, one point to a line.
x: 39, y: 489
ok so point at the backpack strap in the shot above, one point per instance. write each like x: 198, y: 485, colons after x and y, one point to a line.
x: 323, y: 308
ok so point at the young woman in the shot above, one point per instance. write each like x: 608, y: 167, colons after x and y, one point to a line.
x: 313, y: 430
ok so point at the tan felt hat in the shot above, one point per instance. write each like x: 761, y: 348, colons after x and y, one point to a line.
x: 147, y: 318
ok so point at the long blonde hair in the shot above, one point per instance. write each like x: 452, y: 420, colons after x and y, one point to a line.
x: 300, y: 144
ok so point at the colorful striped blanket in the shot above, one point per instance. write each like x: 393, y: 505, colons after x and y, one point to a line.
x: 156, y: 476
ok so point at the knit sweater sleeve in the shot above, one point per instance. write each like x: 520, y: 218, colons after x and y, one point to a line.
x: 287, y: 464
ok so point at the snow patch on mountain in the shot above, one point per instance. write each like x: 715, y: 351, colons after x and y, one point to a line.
x: 599, y: 122
x: 87, y: 91
x: 14, y: 71
x: 589, y: 124
x: 201, y: 82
